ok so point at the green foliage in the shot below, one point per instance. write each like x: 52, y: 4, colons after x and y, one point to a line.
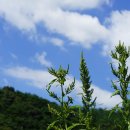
x: 88, y: 102
x: 121, y: 86
x: 65, y: 100
x: 85, y: 114
x: 102, y: 121
x: 19, y: 111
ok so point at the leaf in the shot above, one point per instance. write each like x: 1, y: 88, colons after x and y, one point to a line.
x: 128, y: 78
x: 70, y: 100
x: 70, y: 88
x: 67, y: 71
x: 54, y: 111
x: 114, y: 71
x: 51, y: 125
x: 114, y: 86
x: 54, y: 80
x: 73, y: 126
x: 93, y: 101
x: 113, y: 110
x: 49, y: 85
x: 52, y: 71
x: 117, y: 92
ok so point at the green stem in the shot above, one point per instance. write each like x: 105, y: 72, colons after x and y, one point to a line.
x: 62, y: 105
x: 62, y: 96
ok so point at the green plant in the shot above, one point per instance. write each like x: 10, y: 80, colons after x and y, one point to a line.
x: 88, y: 102
x: 62, y: 115
x: 121, y: 85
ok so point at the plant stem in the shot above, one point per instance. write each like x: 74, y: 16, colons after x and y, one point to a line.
x: 62, y: 95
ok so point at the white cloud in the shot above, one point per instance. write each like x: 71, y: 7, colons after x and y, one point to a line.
x: 55, y: 15
x: 37, y: 78
x: 57, y: 42
x: 104, y: 98
x: 14, y: 13
x: 82, y: 29
x: 62, y: 17
x: 54, y: 40
x: 41, y: 58
x: 118, y: 28
x: 40, y: 78
x: 82, y: 4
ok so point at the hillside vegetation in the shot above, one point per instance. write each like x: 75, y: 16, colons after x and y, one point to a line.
x: 23, y: 111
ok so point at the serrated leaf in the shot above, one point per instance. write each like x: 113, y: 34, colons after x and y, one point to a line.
x: 114, y: 85
x: 52, y: 71
x: 70, y: 87
x: 114, y: 71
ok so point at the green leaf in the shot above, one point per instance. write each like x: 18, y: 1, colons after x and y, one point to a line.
x: 54, y: 111
x: 114, y: 71
x: 53, y: 81
x: 113, y: 110
x: 117, y: 92
x: 52, y: 71
x: 73, y: 126
x: 114, y: 85
x: 70, y: 87
x: 49, y: 85
x: 51, y: 125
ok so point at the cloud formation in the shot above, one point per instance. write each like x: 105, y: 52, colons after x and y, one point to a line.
x: 64, y: 18
x: 57, y: 42
x: 40, y: 78
x: 118, y: 27
x: 57, y: 17
x: 37, y: 78
x: 80, y: 4
x: 41, y: 58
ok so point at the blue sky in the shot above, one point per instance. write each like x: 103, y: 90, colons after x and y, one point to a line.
x: 37, y: 34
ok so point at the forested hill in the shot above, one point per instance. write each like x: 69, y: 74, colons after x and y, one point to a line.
x: 23, y: 111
